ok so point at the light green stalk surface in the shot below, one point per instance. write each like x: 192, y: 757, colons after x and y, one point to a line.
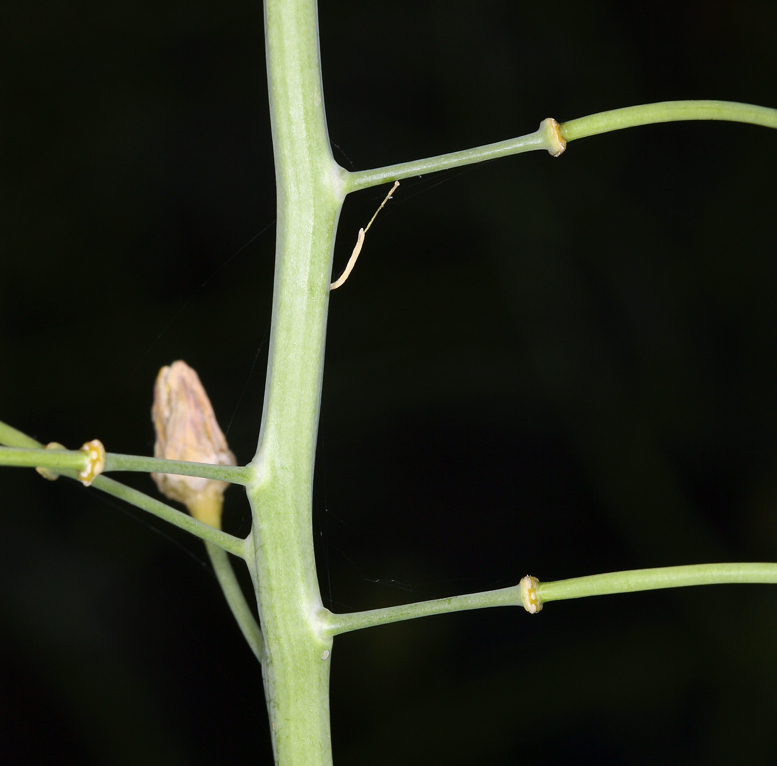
x: 25, y: 457
x: 310, y: 193
x: 653, y: 579
x: 342, y: 623
x: 234, y: 545
x: 13, y: 438
x: 667, y: 111
x: 232, y: 474
x: 56, y: 459
x: 543, y: 139
x: 236, y: 600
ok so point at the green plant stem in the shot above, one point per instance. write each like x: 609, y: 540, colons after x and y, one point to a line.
x: 603, y: 122
x: 593, y: 585
x: 13, y: 438
x: 76, y: 459
x: 541, y: 139
x: 342, y: 623
x: 310, y: 193
x: 31, y: 453
x: 234, y: 545
x: 26, y: 457
x: 229, y: 543
x: 236, y: 600
x: 217, y: 542
x: 667, y: 111
x: 653, y: 579
x: 229, y: 473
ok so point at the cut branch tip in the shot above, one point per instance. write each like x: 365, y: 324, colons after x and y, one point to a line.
x: 529, y: 596
x: 95, y: 465
x: 556, y: 142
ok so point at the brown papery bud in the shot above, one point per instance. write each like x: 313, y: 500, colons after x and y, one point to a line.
x: 186, y: 429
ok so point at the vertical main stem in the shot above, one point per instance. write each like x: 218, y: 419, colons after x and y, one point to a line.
x: 310, y: 194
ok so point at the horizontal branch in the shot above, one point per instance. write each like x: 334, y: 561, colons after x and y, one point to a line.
x: 229, y: 473
x: 545, y: 138
x: 342, y: 623
x: 62, y: 459
x: 25, y: 457
x: 552, y: 137
x: 532, y: 594
x: 654, y: 579
x: 667, y: 111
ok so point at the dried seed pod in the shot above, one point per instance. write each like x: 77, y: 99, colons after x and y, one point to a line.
x: 186, y: 429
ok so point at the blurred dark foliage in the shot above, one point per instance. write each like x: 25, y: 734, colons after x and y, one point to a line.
x: 554, y: 366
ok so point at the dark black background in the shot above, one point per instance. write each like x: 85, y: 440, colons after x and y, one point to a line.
x: 555, y: 366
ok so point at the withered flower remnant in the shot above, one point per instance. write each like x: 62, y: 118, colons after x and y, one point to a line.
x: 186, y: 429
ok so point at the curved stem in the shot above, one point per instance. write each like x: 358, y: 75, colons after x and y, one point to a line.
x: 236, y: 600
x: 667, y: 111
x: 551, y: 137
x: 653, y: 579
x: 234, y: 545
